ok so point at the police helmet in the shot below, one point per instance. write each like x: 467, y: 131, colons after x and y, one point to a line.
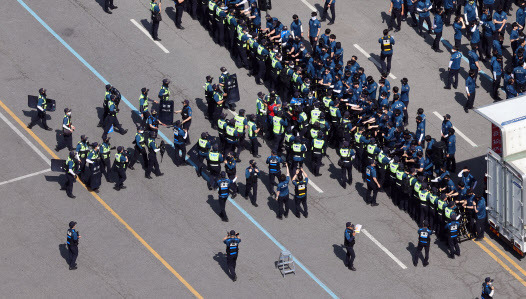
x: 223, y: 115
x: 215, y: 148
x: 166, y: 81
x: 223, y: 69
x: 231, y: 122
x: 120, y: 149
x: 140, y: 128
x: 320, y: 135
x: 154, y: 112
x: 72, y: 154
x: 112, y: 97
x: 204, y: 135
x: 345, y: 144
x: 42, y: 91
x: 223, y: 174
x: 94, y: 145
x: 66, y: 110
x: 242, y: 112
x: 425, y: 223
x: 454, y: 216
x: 144, y: 90
x: 84, y: 138
x: 177, y: 123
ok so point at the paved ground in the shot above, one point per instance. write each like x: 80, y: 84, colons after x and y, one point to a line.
x: 174, y: 217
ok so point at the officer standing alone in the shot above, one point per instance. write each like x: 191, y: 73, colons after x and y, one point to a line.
x: 251, y: 175
x: 349, y: 242
x: 41, y: 110
x: 386, y: 53
x: 179, y: 8
x: 424, y: 240
x: 232, y: 241
x: 487, y: 289
x: 155, y: 8
x: 72, y: 241
x: 454, y: 68
x: 372, y: 184
x: 67, y: 132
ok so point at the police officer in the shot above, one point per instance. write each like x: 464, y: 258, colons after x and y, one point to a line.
x: 372, y: 184
x: 139, y: 148
x: 105, y: 162
x: 423, y: 8
x: 214, y: 159
x: 186, y: 114
x: 219, y: 102
x: 487, y: 289
x: 155, y: 8
x: 232, y: 241
x: 143, y: 105
x: 42, y: 106
x: 298, y: 153
x: 470, y: 90
x: 223, y: 185
x: 251, y: 175
x: 105, y: 113
x: 67, y: 132
x: 349, y: 241
x: 108, y: 4
x: 72, y: 240
x: 278, y: 128
x: 180, y: 136
x: 274, y: 169
x: 93, y: 162
x: 438, y: 27
x: 203, y: 146
x: 397, y: 11
x: 424, y: 240
x: 282, y: 194
x: 209, y: 96
x: 454, y: 67
x: 179, y: 7
x: 241, y: 125
x: 452, y: 238
x: 261, y: 57
x: 314, y: 29
x: 121, y: 160
x: 82, y: 150
x: 480, y: 210
x: 300, y: 181
x: 231, y: 136
x: 164, y: 92
x: 346, y: 154
x: 230, y: 168
x: 153, y: 122
x: 451, y: 163
x: 318, y: 150
x: 153, y: 164
x: 111, y: 119
x: 72, y: 169
x: 329, y: 4
x: 253, y: 132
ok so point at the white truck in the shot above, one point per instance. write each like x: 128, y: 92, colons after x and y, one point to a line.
x: 506, y: 171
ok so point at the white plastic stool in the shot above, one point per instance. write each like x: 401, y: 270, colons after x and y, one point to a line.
x: 286, y: 263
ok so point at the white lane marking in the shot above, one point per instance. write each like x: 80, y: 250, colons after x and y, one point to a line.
x: 149, y: 36
x: 24, y: 176
x: 309, y: 5
x: 310, y: 180
x: 48, y: 161
x: 384, y: 249
x: 457, y: 131
x: 372, y: 59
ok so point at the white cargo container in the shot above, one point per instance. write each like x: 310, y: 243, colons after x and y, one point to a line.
x: 506, y: 171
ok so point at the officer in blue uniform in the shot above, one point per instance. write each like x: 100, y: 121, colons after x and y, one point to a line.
x: 451, y: 163
x: 179, y: 7
x: 180, y: 136
x: 153, y: 164
x: 346, y: 154
x: 470, y: 90
x: 438, y: 27
x: 72, y: 169
x: 67, y: 132
x: 155, y: 8
x: 349, y: 242
x: 396, y: 9
x: 251, y: 175
x: 121, y: 160
x: 108, y: 4
x: 454, y: 68
x: 372, y: 184
x: 496, y: 68
x: 423, y: 7
x: 487, y: 289
x: 480, y: 210
x: 330, y: 4
x: 314, y: 29
x: 300, y: 181
x: 139, y: 148
x: 232, y: 241
x: 424, y: 240
x: 111, y: 119
x: 186, y: 115
x: 452, y: 235
x: 223, y: 185
x: 386, y: 43
x: 72, y: 240
x: 282, y: 194
x: 42, y: 106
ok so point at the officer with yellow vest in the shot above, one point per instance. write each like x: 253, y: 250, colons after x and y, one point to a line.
x: 386, y: 53
x: 346, y: 154
x: 82, y: 150
x: 219, y: 102
x: 67, y: 132
x: 360, y: 142
x: 155, y: 9
x: 261, y: 112
x: 423, y: 196
x: 298, y: 153
x: 72, y: 169
x: 432, y: 206
x: 220, y: 16
x: 318, y: 150
x: 153, y: 164
x: 107, y: 96
x: 253, y: 132
x: 105, y: 163
x: 261, y: 57
x: 241, y: 125
x: 164, y: 93
x: 121, y: 159
x: 94, y: 176
x: 139, y: 148
x: 231, y: 136
x: 397, y: 186
x: 214, y: 160
x: 278, y: 128
x: 42, y: 106
x: 441, y: 206
x: 277, y: 68
x: 143, y: 105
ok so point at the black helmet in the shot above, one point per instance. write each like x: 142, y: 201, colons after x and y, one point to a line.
x: 72, y: 154
x: 204, y: 135
x: 120, y: 149
x: 42, y: 91
x: 223, y: 174
x: 166, y: 81
x: 66, y: 110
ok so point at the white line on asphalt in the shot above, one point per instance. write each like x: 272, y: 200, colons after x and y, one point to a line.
x: 310, y: 180
x: 309, y: 5
x: 384, y: 249
x: 372, y: 59
x: 149, y: 36
x: 48, y: 161
x: 24, y: 176
x: 457, y: 131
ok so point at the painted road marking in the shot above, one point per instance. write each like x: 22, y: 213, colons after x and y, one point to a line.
x: 500, y: 262
x: 309, y: 5
x: 457, y: 131
x: 86, y: 64
x: 31, y: 145
x: 149, y: 36
x: 100, y: 200
x: 505, y: 256
x: 24, y: 176
x: 378, y: 64
x: 310, y: 180
x: 389, y: 253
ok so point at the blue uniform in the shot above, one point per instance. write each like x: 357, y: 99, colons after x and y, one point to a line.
x: 456, y: 58
x: 297, y: 28
x: 451, y: 144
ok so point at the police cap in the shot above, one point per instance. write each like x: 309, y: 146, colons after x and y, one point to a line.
x: 72, y: 224
x: 232, y: 232
x: 166, y: 81
x: 223, y: 174
x: 209, y: 78
x: 348, y: 224
x: 120, y: 149
x: 94, y: 144
x: 204, y: 135
x: 177, y: 123
x: 66, y: 110
x: 83, y: 137
x: 144, y: 89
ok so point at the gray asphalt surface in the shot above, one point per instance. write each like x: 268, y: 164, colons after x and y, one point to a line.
x: 176, y: 214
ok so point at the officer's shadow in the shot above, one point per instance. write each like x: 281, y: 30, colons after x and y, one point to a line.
x: 461, y: 98
x: 64, y: 252
x: 385, y: 18
x: 59, y: 179
x: 362, y: 191
x: 411, y: 248
x: 265, y: 179
x: 214, y: 204
x: 339, y: 251
x: 220, y: 258
x: 31, y: 114
x: 442, y: 245
x: 202, y: 105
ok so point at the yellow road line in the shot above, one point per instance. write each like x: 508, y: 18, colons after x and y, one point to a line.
x: 505, y: 256
x: 501, y: 263
x: 105, y: 205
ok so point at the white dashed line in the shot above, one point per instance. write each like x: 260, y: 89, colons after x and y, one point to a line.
x: 24, y: 176
x: 389, y: 253
x: 149, y: 36
x: 377, y: 63
x: 309, y: 5
x: 457, y: 131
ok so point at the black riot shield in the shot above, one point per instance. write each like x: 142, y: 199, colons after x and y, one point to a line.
x: 58, y: 165
x: 166, y: 112
x: 232, y: 89
x: 32, y: 102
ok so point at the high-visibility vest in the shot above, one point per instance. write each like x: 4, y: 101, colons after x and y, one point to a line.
x: 277, y: 127
x: 314, y: 115
x: 251, y: 132
x: 240, y: 123
x: 423, y: 196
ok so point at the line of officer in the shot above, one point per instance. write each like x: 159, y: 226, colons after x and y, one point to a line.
x: 72, y: 241
x: 139, y: 148
x: 72, y: 170
x: 232, y: 241
x: 121, y: 160
x: 349, y: 241
x: 42, y: 107
x: 251, y: 175
x: 67, y: 132
x: 424, y: 240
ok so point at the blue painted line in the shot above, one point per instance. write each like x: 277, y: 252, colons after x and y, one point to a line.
x: 205, y: 176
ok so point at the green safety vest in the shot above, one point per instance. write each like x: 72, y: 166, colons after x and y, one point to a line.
x: 418, y: 186
x: 314, y: 115
x: 411, y: 180
x: 145, y: 103
x: 393, y: 167
x: 288, y: 137
x: 371, y: 148
x: 221, y: 125
x: 263, y: 109
x: 202, y: 144
x: 314, y: 133
x: 211, y: 6
x: 399, y: 175
x: 213, y: 156
x: 110, y: 102
x: 68, y: 124
x: 380, y: 157
x: 152, y: 6
x: 303, y: 115
x: 277, y: 127
x: 251, y: 132
x: 357, y: 137
x: 296, y: 148
x: 440, y: 205
x: 95, y: 155
x: 333, y: 111
x: 106, y: 95
x: 44, y: 102
x: 118, y: 162
x: 220, y: 96
x: 346, y: 153
x: 230, y: 131
x: 74, y: 164
x: 432, y: 198
x: 303, y: 87
x: 327, y: 102
x: 423, y: 196
x: 274, y: 61
x: 260, y: 50
x: 166, y: 93
x: 318, y: 144
x: 240, y: 123
x: 83, y: 150
x: 141, y: 139
x: 105, y: 151
x: 239, y: 30
x: 295, y: 77
x: 150, y: 141
x: 447, y: 212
